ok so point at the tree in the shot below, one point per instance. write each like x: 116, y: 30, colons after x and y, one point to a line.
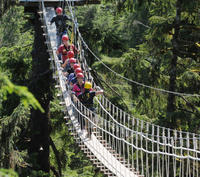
x: 41, y: 88
x: 165, y: 55
x: 16, y: 100
x: 5, y: 5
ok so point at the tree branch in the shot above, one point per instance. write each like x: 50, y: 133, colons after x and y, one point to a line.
x: 190, y: 104
x: 186, y: 111
x: 57, y: 156
x: 53, y: 169
x: 99, y: 78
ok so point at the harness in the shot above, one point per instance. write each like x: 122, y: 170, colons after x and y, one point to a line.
x: 67, y: 49
x: 62, y: 26
x: 85, y: 100
x: 80, y: 87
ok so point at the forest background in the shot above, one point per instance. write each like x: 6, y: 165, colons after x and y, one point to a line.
x: 154, y: 42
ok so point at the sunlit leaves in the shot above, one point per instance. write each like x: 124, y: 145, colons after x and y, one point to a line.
x: 8, y: 173
x: 7, y: 87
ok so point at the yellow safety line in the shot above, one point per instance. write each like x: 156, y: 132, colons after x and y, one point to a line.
x: 72, y: 35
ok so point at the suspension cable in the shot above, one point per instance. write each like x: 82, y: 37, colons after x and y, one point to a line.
x: 125, y: 78
x: 122, y: 139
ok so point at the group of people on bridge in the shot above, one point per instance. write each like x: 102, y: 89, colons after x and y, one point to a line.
x: 75, y: 79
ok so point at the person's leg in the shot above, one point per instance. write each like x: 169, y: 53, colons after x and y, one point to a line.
x: 92, y: 125
x: 59, y: 38
x: 79, y: 117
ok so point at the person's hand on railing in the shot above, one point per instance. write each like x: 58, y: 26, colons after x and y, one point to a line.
x: 97, y: 88
x: 100, y: 92
x: 65, y: 74
x: 74, y: 98
x: 65, y: 63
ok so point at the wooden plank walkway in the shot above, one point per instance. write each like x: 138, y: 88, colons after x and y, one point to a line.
x: 93, y: 145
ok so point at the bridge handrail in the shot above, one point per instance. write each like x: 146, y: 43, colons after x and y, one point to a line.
x: 137, y: 133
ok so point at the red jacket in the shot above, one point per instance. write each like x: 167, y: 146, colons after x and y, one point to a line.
x: 64, y: 49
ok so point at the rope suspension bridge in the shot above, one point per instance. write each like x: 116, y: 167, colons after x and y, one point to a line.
x: 120, y: 144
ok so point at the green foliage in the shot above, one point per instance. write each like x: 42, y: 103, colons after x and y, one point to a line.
x: 134, y: 38
x: 11, y: 128
x: 15, y: 49
x: 16, y: 38
x: 106, y: 31
x: 7, y: 173
x: 12, y: 26
x: 15, y: 57
x: 147, y: 31
x: 7, y: 87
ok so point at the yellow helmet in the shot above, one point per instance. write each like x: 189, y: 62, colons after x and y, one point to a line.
x: 88, y: 85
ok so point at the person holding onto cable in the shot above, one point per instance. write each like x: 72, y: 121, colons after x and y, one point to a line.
x: 87, y: 95
x: 86, y: 98
x: 60, y: 21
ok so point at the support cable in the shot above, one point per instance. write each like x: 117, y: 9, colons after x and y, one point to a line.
x: 125, y: 78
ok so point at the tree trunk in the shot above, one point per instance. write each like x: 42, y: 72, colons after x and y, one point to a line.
x: 40, y: 87
x: 56, y: 152
x: 171, y: 104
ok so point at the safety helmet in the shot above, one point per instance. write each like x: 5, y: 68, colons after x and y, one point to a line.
x: 59, y: 10
x: 76, y: 66
x: 88, y: 85
x: 78, y: 70
x: 80, y: 75
x: 72, y: 60
x: 70, y: 54
x: 65, y: 38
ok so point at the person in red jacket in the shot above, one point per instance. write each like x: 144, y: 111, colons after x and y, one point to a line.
x: 65, y: 48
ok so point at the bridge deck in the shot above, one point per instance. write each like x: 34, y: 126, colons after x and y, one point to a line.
x: 93, y: 144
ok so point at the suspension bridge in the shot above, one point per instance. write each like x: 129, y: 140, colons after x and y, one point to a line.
x: 120, y: 144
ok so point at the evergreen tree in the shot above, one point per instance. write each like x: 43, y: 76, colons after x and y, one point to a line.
x: 166, y: 55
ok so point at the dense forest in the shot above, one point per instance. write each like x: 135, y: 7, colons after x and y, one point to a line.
x: 153, y: 42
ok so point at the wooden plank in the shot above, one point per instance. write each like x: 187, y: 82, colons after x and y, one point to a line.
x: 114, y: 162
